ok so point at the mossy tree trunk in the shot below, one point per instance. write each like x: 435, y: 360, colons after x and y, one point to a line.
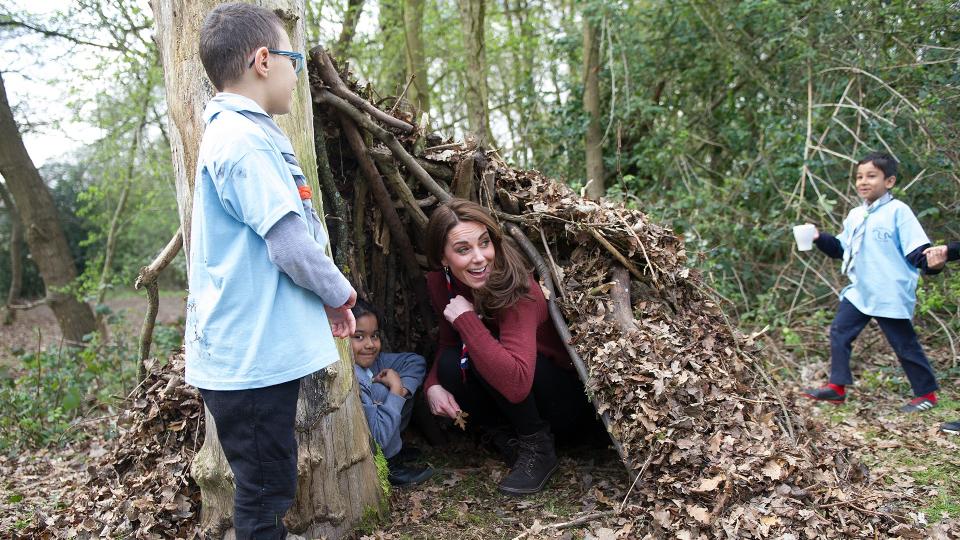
x: 338, y: 482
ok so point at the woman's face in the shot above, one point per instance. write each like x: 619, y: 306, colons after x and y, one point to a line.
x: 469, y: 253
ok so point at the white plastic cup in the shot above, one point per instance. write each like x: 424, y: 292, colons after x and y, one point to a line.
x: 803, y: 234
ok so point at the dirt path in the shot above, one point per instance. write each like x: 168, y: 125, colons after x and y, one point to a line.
x: 39, y: 323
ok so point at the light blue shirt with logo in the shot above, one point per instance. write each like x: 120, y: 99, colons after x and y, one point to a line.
x: 248, y: 324
x: 883, y: 283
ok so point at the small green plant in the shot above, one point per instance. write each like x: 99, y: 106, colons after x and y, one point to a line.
x: 55, y: 387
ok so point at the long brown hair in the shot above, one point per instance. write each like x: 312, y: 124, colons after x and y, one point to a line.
x: 509, y: 280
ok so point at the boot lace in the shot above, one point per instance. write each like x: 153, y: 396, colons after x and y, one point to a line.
x: 526, y: 456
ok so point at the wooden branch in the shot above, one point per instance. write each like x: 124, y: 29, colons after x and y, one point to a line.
x: 462, y: 186
x: 436, y: 170
x: 333, y: 198
x: 510, y: 204
x: 554, y: 268
x: 382, y: 196
x: 148, y: 277
x: 429, y: 201
x: 402, y: 190
x: 152, y: 271
x: 615, y: 252
x: 325, y: 97
x: 620, y: 296
x: 329, y: 75
x: 561, y: 325
x: 28, y: 305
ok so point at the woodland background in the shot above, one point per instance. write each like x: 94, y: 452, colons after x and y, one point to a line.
x: 728, y: 121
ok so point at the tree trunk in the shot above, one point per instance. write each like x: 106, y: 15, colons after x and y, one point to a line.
x: 591, y: 104
x: 419, y: 92
x: 16, y: 260
x: 338, y: 482
x: 350, y: 18
x: 114, y: 229
x: 45, y: 237
x: 472, y: 13
x: 392, y: 69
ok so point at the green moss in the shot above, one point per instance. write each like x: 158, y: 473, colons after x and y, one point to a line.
x: 383, y: 471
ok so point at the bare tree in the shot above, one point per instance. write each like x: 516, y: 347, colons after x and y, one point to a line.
x: 591, y: 104
x: 16, y: 264
x: 338, y: 482
x: 350, y: 18
x: 472, y: 15
x: 419, y: 93
x: 45, y: 237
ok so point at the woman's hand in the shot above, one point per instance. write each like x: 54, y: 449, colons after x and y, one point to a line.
x: 442, y: 403
x: 456, y: 307
x: 341, y: 320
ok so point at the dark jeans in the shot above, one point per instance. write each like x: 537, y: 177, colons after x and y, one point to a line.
x: 557, y: 399
x: 848, y: 324
x: 256, y: 430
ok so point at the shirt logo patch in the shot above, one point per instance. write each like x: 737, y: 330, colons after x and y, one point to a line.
x: 882, y: 234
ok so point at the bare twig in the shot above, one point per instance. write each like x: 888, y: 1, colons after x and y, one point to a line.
x: 148, y: 277
x: 554, y: 269
x: 585, y: 518
x: 616, y: 253
x: 646, y: 463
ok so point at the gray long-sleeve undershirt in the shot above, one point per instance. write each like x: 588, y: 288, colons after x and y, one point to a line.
x: 295, y: 252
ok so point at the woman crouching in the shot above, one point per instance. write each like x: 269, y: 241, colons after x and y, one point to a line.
x: 499, y: 358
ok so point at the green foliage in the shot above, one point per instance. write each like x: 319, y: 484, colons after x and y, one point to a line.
x: 58, y: 387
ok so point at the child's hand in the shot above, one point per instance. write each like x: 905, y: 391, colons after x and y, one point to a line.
x: 391, y: 379
x: 816, y: 232
x: 936, y: 257
x: 351, y: 301
x: 342, y: 322
x: 442, y: 403
x: 457, y: 306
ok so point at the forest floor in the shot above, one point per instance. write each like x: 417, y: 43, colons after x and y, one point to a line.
x: 582, y: 500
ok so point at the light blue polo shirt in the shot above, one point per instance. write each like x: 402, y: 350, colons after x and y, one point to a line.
x: 883, y: 283
x: 248, y: 324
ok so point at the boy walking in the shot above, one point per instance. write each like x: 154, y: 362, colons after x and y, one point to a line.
x: 882, y: 247
x: 259, y: 278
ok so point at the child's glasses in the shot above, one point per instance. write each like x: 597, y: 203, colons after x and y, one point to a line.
x: 295, y: 58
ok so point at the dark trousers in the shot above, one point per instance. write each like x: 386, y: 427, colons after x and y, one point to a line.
x: 256, y: 430
x: 557, y: 399
x: 848, y: 324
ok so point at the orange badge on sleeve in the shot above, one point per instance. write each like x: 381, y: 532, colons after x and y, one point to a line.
x: 305, y: 192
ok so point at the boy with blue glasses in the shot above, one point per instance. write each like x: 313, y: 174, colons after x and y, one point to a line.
x: 259, y: 277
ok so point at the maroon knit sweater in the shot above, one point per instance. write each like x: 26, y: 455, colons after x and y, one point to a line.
x: 503, y: 349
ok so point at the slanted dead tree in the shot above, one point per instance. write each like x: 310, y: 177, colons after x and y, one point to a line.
x: 44, y: 233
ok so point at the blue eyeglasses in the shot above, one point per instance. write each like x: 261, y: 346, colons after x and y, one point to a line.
x: 295, y: 58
